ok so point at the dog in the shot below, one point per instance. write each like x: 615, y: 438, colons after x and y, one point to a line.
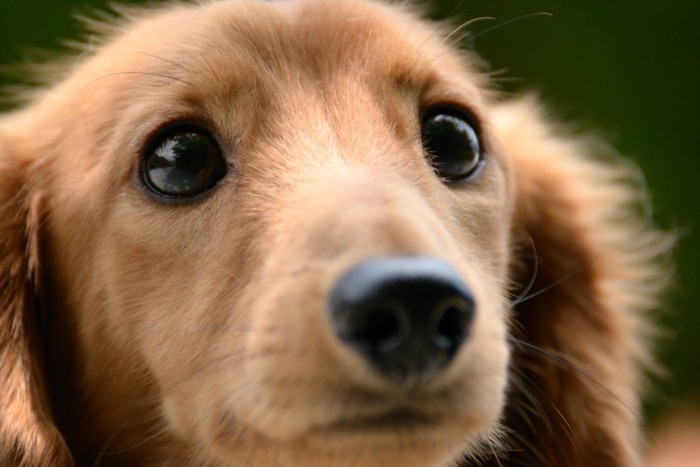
x: 313, y: 233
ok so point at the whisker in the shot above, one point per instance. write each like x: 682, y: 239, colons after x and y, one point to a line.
x: 144, y: 73
x: 533, y: 277
x: 172, y: 62
x: 283, y: 274
x: 532, y: 403
x: 563, y: 362
x: 149, y: 436
x: 574, y: 272
x: 511, y: 21
x: 464, y: 25
x: 531, y: 449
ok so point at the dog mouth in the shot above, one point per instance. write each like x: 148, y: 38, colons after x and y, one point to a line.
x: 397, y: 421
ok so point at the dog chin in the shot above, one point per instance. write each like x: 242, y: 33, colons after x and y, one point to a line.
x: 392, y: 440
x: 402, y: 436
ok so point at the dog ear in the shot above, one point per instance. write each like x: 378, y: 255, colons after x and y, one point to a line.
x: 581, y: 330
x: 28, y: 436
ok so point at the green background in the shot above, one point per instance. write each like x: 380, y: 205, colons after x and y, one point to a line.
x: 628, y: 69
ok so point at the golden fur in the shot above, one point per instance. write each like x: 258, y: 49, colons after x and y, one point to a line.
x: 139, y: 332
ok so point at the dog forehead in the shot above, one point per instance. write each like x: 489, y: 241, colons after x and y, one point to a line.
x: 319, y: 36
x: 321, y: 29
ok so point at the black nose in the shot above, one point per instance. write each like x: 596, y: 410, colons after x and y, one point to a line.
x: 407, y: 315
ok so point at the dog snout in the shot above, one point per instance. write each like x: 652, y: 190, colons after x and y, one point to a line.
x: 406, y: 315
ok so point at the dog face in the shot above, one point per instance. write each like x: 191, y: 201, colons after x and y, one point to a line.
x: 282, y: 233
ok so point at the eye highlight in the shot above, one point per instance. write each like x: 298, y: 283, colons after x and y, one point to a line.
x: 182, y: 162
x: 451, y: 140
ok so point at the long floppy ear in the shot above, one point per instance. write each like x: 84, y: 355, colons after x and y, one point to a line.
x: 581, y: 332
x: 28, y: 436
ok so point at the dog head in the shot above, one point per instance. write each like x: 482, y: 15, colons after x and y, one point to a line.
x: 270, y: 233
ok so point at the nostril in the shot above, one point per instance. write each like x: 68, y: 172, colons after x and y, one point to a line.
x: 382, y: 328
x: 451, y: 321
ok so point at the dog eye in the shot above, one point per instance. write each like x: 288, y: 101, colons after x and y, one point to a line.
x: 183, y: 162
x: 452, y: 144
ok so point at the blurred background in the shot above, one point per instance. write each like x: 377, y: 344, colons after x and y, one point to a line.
x: 628, y: 70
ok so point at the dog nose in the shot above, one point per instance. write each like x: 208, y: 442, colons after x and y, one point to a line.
x: 407, y: 315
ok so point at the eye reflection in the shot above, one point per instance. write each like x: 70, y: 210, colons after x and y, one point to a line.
x: 183, y: 162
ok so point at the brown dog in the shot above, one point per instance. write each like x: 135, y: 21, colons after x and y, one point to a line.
x: 306, y: 233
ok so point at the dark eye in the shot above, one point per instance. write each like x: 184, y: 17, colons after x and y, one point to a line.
x: 452, y: 144
x: 183, y: 162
